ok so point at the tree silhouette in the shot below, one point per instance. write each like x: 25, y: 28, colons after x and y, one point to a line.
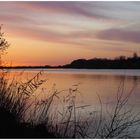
x: 135, y: 55
x: 3, y: 43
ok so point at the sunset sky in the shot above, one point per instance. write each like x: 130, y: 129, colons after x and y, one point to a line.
x: 55, y: 33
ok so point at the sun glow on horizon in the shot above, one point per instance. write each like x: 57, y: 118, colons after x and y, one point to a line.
x: 56, y: 33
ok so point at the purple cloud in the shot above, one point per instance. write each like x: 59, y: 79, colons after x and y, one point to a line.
x: 44, y: 35
x: 73, y: 8
x: 119, y: 35
x: 5, y: 18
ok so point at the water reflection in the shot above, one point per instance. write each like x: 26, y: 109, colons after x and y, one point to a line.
x: 90, y: 83
x: 92, y: 86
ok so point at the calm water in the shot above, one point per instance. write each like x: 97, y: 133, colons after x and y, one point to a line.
x: 91, y: 84
x: 105, y: 83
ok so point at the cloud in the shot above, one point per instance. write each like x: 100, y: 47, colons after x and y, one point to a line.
x: 36, y: 20
x: 42, y: 35
x: 83, y: 9
x: 119, y: 35
x: 10, y: 18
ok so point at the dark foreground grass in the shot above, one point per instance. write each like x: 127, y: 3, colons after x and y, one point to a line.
x: 13, y: 99
x: 11, y: 127
x: 120, y: 121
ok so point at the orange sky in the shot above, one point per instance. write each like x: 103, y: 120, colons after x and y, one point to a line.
x: 55, y: 33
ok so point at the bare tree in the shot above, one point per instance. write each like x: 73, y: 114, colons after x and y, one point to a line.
x: 3, y: 43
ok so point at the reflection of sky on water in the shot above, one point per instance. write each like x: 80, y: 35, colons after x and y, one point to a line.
x: 91, y: 85
x: 91, y: 82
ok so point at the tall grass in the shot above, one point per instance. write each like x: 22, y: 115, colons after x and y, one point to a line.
x: 121, y: 120
x: 43, y: 118
x: 14, y: 97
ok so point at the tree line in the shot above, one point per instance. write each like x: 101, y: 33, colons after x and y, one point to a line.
x: 121, y: 62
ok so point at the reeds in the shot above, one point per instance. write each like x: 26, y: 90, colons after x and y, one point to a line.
x: 14, y: 97
x: 44, y: 119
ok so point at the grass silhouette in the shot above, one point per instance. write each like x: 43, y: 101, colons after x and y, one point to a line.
x: 13, y: 99
x: 42, y: 122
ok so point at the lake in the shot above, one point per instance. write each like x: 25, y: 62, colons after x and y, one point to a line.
x: 96, y: 88
x: 90, y: 82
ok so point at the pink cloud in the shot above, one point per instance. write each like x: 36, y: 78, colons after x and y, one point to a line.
x: 72, y: 8
x: 119, y: 35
